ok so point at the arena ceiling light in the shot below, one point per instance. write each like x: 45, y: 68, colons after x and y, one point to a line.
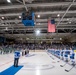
x: 6, y: 28
x: 8, y: 1
x: 38, y: 16
x: 60, y: 38
x: 67, y: 19
x: 69, y: 22
x: 2, y: 17
x: 58, y: 15
x: 19, y: 16
x: 37, y: 32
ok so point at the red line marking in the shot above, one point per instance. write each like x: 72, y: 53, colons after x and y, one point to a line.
x: 7, y: 62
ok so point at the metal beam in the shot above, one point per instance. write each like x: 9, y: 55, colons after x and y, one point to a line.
x: 66, y: 12
x: 37, y: 5
x: 19, y: 1
x: 11, y: 14
x: 56, y: 19
x: 39, y: 20
x: 55, y: 12
x: 25, y: 5
x: 37, y: 26
x: 34, y: 28
x: 40, y: 25
x: 47, y: 12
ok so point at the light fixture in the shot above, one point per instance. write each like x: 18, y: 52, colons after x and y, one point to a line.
x: 69, y: 22
x: 58, y: 15
x: 38, y: 16
x: 2, y: 17
x: 19, y: 16
x: 6, y: 28
x: 37, y: 32
x: 67, y: 19
x: 60, y: 38
x: 8, y: 1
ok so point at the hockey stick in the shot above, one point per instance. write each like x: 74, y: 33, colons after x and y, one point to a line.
x: 70, y: 68
x: 64, y: 64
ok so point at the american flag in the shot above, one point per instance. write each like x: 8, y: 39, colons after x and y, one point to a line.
x: 51, y: 25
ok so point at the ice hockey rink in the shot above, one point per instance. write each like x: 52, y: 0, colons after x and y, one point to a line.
x: 43, y: 32
x: 36, y: 63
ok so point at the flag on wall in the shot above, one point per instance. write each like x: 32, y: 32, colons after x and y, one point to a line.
x: 51, y: 25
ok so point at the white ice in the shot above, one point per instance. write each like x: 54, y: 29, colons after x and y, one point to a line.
x: 37, y: 63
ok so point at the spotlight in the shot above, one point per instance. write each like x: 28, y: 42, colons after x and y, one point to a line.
x: 2, y: 17
x: 38, y: 16
x: 8, y: 1
x: 19, y: 16
x: 37, y: 32
x: 58, y: 15
x: 60, y: 38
